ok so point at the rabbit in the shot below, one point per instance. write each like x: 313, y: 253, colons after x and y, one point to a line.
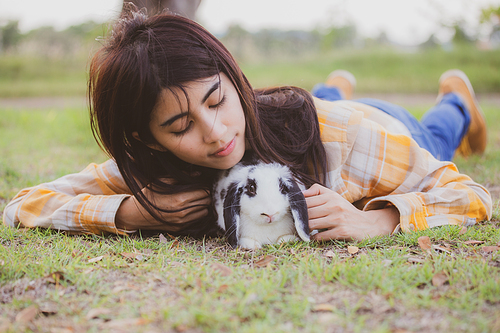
x: 260, y: 203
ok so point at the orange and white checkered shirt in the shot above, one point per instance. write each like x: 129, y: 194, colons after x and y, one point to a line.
x: 368, y: 165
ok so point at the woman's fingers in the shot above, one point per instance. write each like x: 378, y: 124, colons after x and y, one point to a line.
x: 335, y: 233
x: 325, y: 222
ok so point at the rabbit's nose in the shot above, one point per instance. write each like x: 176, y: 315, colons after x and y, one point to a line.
x: 269, y: 217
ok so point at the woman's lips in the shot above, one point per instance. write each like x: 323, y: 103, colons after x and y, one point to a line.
x: 228, y: 149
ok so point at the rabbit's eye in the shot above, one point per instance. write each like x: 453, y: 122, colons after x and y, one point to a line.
x: 251, y: 188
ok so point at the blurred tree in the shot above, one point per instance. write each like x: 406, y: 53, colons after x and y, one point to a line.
x: 461, y: 36
x: 236, y: 38
x: 337, y: 37
x: 9, y: 35
x: 87, y: 31
x: 185, y: 8
x: 491, y: 15
x: 430, y: 43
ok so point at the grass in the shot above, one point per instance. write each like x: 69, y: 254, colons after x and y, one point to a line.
x: 382, y: 70
x: 90, y: 283
x: 377, y: 70
x: 54, y: 282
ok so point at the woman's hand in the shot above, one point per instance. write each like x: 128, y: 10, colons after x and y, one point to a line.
x: 132, y: 216
x: 329, y: 210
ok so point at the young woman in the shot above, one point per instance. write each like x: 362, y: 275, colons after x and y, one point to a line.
x: 171, y: 107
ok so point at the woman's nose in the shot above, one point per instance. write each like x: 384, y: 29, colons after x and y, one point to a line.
x: 214, y: 128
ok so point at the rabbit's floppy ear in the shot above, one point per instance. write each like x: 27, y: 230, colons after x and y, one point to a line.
x: 298, y: 207
x: 232, y: 213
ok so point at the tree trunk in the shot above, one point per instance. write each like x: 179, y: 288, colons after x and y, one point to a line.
x: 185, y: 8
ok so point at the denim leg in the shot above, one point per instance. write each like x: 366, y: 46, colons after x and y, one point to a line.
x: 328, y: 93
x: 421, y: 134
x: 448, y: 121
x: 441, y: 128
x: 440, y: 131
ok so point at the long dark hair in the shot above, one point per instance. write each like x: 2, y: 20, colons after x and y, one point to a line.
x: 145, y: 55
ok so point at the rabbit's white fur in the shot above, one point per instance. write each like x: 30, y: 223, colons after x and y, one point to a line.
x: 264, y: 217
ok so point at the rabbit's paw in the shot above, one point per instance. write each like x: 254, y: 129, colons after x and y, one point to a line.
x: 249, y: 243
x: 288, y: 238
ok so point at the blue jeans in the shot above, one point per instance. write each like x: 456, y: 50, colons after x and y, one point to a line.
x: 440, y: 130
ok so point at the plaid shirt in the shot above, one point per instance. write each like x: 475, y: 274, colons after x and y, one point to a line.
x: 372, y: 168
x: 368, y: 165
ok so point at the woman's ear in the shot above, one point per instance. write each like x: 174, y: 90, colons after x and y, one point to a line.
x: 154, y: 146
x: 136, y: 136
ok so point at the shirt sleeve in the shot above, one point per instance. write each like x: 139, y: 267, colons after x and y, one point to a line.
x: 85, y: 202
x: 373, y: 168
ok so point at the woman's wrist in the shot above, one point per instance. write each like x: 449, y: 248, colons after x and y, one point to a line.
x: 386, y: 219
x: 128, y: 214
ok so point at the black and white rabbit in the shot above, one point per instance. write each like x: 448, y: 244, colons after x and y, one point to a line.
x: 260, y: 203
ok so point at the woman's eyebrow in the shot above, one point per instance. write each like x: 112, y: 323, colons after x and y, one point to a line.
x: 170, y: 121
x: 173, y: 119
x: 213, y: 88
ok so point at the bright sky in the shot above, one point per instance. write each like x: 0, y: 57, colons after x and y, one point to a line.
x: 404, y: 21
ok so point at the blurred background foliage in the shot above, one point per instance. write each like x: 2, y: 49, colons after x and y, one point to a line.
x: 49, y: 62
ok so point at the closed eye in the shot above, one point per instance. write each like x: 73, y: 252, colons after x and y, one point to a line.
x: 221, y: 102
x: 184, y: 131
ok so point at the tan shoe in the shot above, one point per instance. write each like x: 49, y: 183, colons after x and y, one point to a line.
x: 474, y: 141
x: 343, y: 80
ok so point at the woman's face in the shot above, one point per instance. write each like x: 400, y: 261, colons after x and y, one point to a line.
x: 211, y: 132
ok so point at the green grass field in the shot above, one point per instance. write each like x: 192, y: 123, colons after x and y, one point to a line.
x: 53, y: 282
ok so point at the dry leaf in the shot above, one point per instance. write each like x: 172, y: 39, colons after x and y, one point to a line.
x: 97, y: 312
x: 462, y: 231
x: 439, y: 279
x: 176, y: 264
x: 424, y: 242
x: 48, y: 308
x: 489, y: 249
x: 175, y: 243
x: 181, y: 328
x: 265, y: 261
x: 223, y: 269
x: 27, y: 314
x: 352, y: 249
x: 55, y: 277
x: 96, y: 259
x: 163, y: 239
x: 387, y: 262
x: 88, y: 270
x: 222, y: 288
x: 137, y: 256
x: 323, y: 307
x: 61, y: 330
x: 416, y: 260
x: 4, y: 324
x: 125, y: 323
x: 441, y: 248
x: 329, y: 254
x: 473, y: 242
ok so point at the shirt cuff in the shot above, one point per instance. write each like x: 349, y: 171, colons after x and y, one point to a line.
x: 98, y: 213
x: 412, y: 210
